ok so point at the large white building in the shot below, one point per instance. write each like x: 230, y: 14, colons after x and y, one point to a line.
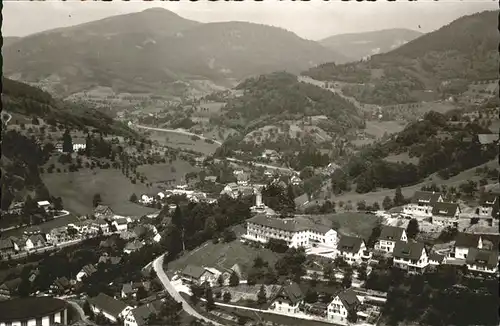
x: 296, y: 232
x: 422, y: 203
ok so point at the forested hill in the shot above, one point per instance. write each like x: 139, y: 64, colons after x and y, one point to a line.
x: 440, y: 144
x: 444, y: 61
x: 280, y: 96
x: 21, y: 98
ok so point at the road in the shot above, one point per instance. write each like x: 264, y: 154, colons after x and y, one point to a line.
x: 80, y: 311
x: 176, y: 131
x: 158, y: 267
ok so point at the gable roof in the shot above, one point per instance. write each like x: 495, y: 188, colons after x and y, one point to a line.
x: 62, y: 282
x: 295, y: 224
x: 35, y: 238
x: 410, y: 250
x: 142, y: 313
x: 482, y: 257
x: 89, y: 269
x: 445, y: 209
x: 349, y: 299
x: 108, y: 304
x: 102, y: 209
x: 489, y: 199
x: 349, y: 244
x: 11, y: 285
x: 434, y: 256
x: 193, y: 271
x: 6, y: 244
x: 134, y: 245
x: 425, y: 196
x: 392, y: 233
x: 121, y: 221
x: 293, y: 292
x: 470, y: 240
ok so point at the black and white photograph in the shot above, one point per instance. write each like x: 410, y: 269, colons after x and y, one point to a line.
x: 250, y: 163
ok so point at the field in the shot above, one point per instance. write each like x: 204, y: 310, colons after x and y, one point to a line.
x: 378, y: 128
x: 208, y: 109
x: 77, y: 190
x: 166, y: 171
x: 181, y: 141
x: 378, y: 196
x: 249, y: 292
x: 47, y: 226
x: 222, y: 255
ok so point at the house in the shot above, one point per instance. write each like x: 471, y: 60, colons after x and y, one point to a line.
x: 161, y: 195
x: 16, y: 207
x: 295, y: 180
x: 465, y: 241
x: 388, y: 237
x: 106, y: 259
x: 270, y: 154
x: 130, y: 289
x: 445, y: 214
x: 86, y: 271
x: 139, y: 316
x: 133, y: 246
x: 342, y: 304
x: 411, y: 256
x: 8, y: 248
x: 211, y: 178
x: 121, y: 224
x: 111, y: 308
x: 9, y: 288
x: 101, y: 225
x: 193, y: 274
x: 103, y: 212
x: 288, y: 300
x: 422, y: 203
x: 79, y: 145
x: 35, y: 241
x: 436, y: 259
x: 59, y: 147
x: 352, y: 249
x: 199, y: 160
x: 44, y: 204
x: 482, y: 261
x: 488, y: 201
x: 242, y: 179
x: 145, y: 199
x: 58, y: 235
x: 61, y: 285
x: 295, y: 232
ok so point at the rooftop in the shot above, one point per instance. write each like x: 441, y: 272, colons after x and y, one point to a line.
x: 295, y: 224
x: 108, y: 304
x: 410, y: 250
x: 29, y: 308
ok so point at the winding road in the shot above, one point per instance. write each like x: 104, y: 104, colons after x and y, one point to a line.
x: 158, y: 267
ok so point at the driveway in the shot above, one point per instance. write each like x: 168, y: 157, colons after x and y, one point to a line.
x: 158, y: 267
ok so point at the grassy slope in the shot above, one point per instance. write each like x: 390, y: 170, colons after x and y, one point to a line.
x: 181, y: 141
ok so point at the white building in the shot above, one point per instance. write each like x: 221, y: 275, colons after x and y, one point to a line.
x: 110, y: 308
x: 488, y: 201
x: 288, y: 300
x: 388, y: 237
x: 120, y: 224
x: 445, y: 214
x: 482, y: 261
x: 411, y: 256
x: 422, y: 203
x: 296, y: 232
x: 345, y: 302
x: 77, y: 146
x: 353, y: 249
x: 145, y: 199
x: 44, y: 204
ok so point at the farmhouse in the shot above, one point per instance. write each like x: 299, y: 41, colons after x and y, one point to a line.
x: 445, y: 214
x: 342, y: 305
x: 288, y: 299
x: 103, y: 212
x: 388, y: 237
x: 487, y: 203
x: 86, y: 271
x: 194, y: 275
x: 410, y: 256
x: 111, y: 308
x: 422, y: 203
x: 465, y: 241
x: 482, y: 261
x: 296, y: 232
x: 352, y: 249
x: 139, y: 316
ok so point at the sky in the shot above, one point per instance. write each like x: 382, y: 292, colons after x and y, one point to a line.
x: 313, y: 20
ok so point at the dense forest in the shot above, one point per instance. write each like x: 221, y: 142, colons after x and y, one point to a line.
x: 275, y: 97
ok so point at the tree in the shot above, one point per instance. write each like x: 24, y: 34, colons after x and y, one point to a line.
x: 210, y: 303
x: 347, y: 279
x: 58, y: 204
x: 329, y: 273
x: 352, y: 316
x: 376, y: 206
x: 67, y: 142
x: 141, y: 293
x: 399, y: 199
x: 226, y: 297
x: 87, y: 310
x: 261, y: 295
x: 362, y: 272
x: 387, y: 203
x: 361, y: 205
x: 228, y: 235
x: 311, y: 296
x: 220, y: 280
x: 377, y: 229
x: 412, y: 229
x: 97, y: 200
x: 234, y: 280
x: 133, y: 198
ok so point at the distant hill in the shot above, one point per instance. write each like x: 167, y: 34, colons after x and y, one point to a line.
x: 8, y: 40
x: 442, y: 63
x: 357, y: 46
x: 149, y: 50
x: 21, y: 98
